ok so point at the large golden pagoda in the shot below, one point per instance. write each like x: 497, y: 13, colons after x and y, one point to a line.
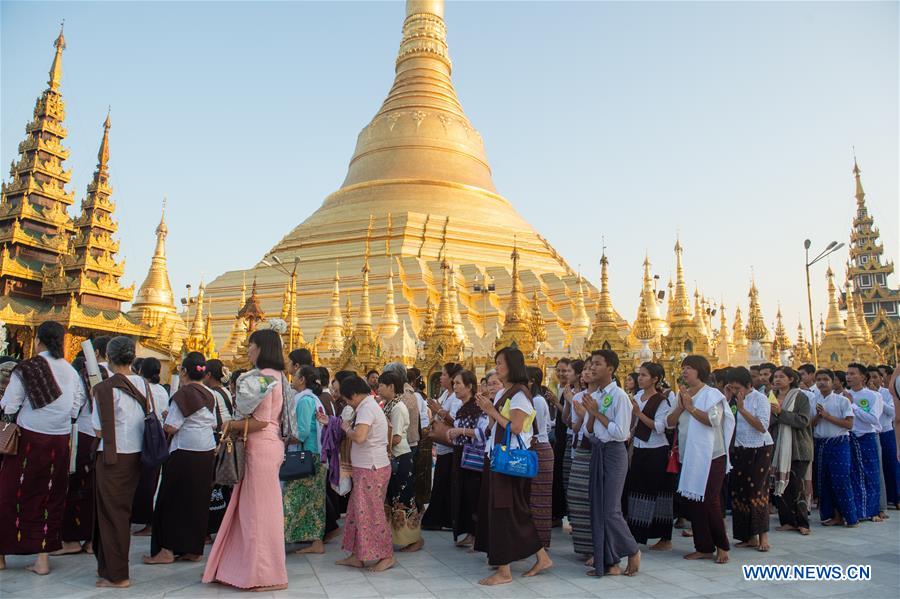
x: 421, y: 176
x: 53, y: 267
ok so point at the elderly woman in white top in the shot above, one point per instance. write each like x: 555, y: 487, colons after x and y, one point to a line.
x: 649, y: 488
x: 704, y: 444
x: 120, y: 403
x: 182, y: 506
x: 44, y: 395
x: 750, y: 461
x: 608, y: 427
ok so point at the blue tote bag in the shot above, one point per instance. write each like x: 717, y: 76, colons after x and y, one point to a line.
x: 520, y: 462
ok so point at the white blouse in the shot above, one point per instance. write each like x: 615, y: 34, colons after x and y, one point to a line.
x: 129, y: 419
x: 888, y: 411
x: 745, y: 435
x: 542, y: 418
x: 195, y: 433
x: 658, y: 432
x: 613, y: 403
x: 838, y: 407
x: 867, y: 409
x: 53, y: 419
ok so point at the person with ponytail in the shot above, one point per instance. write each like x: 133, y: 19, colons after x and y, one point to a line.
x: 304, y: 498
x: 182, y: 507
x: 43, y: 397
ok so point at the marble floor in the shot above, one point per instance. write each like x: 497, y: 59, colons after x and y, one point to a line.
x: 442, y: 570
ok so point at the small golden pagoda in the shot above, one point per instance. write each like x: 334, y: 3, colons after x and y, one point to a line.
x: 154, y: 303
x: 238, y: 330
x: 644, y: 331
x: 724, y: 347
x: 756, y: 329
x: 835, y: 350
x: 330, y: 341
x: 441, y: 342
x: 781, y: 344
x: 685, y: 334
x: 802, y: 350
x: 605, y: 332
x: 362, y: 348
x: 648, y: 298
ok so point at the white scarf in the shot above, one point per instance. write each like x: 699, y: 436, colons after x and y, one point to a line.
x: 699, y: 444
x: 781, y: 460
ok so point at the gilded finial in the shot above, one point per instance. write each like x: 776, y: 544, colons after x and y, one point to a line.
x: 56, y: 66
x: 103, y: 153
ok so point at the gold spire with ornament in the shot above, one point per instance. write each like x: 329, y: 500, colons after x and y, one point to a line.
x: 516, y: 326
x: 835, y: 350
x: 648, y: 298
x: 331, y: 338
x: 644, y: 330
x: 781, y: 344
x: 251, y: 311
x: 442, y: 342
x: 154, y: 303
x: 90, y: 271
x: 802, y: 350
x: 390, y: 323
x: 699, y: 316
x: 196, y: 339
x: 362, y: 349
x: 581, y: 322
x: 686, y: 335
x: 34, y: 225
x: 210, y: 350
x: 724, y: 349
x: 756, y: 327
x: 238, y: 329
x: 538, y: 329
x: 605, y: 331
x: 348, y: 318
x: 867, y: 351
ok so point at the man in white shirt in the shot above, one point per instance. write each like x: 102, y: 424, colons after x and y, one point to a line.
x: 889, y: 459
x: 866, y: 467
x: 831, y: 432
x: 609, y: 426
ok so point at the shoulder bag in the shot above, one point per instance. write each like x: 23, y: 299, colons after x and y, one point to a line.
x: 9, y: 437
x: 155, y: 449
x: 230, y: 457
x: 299, y: 463
x: 473, y: 453
x: 520, y: 462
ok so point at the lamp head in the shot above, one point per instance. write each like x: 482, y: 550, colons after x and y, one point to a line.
x: 807, y: 243
x: 266, y: 262
x: 838, y: 246
x: 831, y: 245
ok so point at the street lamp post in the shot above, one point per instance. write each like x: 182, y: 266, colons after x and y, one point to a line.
x: 830, y: 249
x: 278, y: 265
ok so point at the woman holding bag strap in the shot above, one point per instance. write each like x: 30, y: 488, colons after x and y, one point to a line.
x: 248, y: 552
x: 506, y: 531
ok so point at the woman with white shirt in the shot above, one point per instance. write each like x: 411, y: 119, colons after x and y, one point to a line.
x: 44, y: 395
x: 367, y: 533
x: 540, y: 499
x: 649, y: 488
x: 506, y: 531
x: 440, y: 513
x: 400, y: 501
x: 120, y: 404
x: 144, y: 496
x: 704, y: 444
x: 750, y: 461
x: 304, y: 498
x: 866, y: 467
x: 608, y: 416
x: 831, y: 434
x: 182, y: 507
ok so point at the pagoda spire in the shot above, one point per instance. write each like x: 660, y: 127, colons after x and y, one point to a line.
x: 348, y: 319
x: 538, y: 330
x: 35, y: 225
x: 605, y: 330
x: 196, y: 339
x: 91, y: 271
x: 605, y: 310
x: 802, y: 349
x: 444, y: 319
x: 516, y: 325
x: 723, y: 349
x: 781, y: 342
x: 581, y: 322
x: 699, y: 315
x: 854, y: 330
x: 643, y: 327
x: 681, y: 304
x: 390, y: 323
x: 251, y: 312
x: 756, y: 325
x: 833, y: 323
x: 239, y: 327
x: 739, y: 337
x: 860, y: 194
x: 331, y: 337
x: 55, y: 80
x: 364, y: 318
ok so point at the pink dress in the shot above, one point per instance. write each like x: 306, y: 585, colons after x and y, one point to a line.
x: 249, y: 549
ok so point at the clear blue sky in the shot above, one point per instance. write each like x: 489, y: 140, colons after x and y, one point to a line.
x: 731, y: 122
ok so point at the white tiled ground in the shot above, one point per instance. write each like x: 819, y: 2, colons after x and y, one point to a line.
x: 441, y: 570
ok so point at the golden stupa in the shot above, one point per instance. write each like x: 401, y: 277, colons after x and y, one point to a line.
x: 419, y: 186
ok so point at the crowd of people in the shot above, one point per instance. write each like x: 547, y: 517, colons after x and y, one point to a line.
x: 618, y: 460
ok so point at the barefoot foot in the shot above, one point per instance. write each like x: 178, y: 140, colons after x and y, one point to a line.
x: 316, y: 547
x: 108, y: 584
x: 413, y: 547
x: 352, y: 561
x: 495, y: 579
x: 384, y: 564
x: 274, y: 587
x: 634, y: 564
x: 542, y: 563
x: 661, y: 545
x: 721, y: 556
x: 698, y: 555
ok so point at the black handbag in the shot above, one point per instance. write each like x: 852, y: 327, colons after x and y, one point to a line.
x: 155, y: 449
x: 297, y: 464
